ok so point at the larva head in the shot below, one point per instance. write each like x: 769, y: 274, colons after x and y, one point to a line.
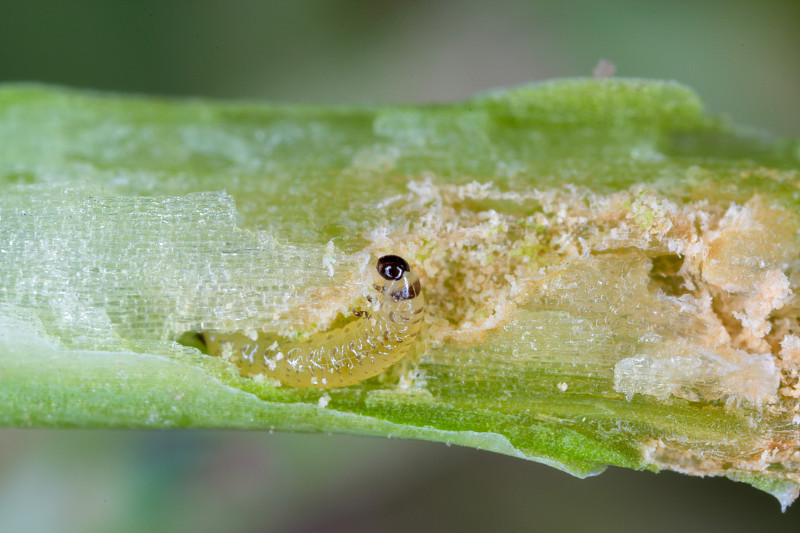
x: 399, y: 282
x: 392, y: 267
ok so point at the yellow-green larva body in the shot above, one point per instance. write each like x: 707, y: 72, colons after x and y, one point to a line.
x: 366, y: 347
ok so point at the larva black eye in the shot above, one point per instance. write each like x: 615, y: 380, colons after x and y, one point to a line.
x: 392, y: 267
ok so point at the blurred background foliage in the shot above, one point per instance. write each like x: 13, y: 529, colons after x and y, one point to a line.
x: 742, y: 57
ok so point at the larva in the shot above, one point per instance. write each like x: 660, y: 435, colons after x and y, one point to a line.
x: 378, y: 338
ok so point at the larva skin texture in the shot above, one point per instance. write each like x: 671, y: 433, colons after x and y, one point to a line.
x: 378, y: 338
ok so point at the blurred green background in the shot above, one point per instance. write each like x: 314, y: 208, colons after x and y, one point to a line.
x: 742, y: 57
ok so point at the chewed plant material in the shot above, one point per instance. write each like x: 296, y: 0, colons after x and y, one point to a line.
x: 699, y: 298
x: 381, y: 335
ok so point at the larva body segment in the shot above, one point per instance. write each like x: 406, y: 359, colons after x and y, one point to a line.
x: 378, y: 338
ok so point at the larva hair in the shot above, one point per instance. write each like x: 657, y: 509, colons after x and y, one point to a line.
x: 379, y: 337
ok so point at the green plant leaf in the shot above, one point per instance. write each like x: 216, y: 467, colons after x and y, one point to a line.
x: 610, y: 272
